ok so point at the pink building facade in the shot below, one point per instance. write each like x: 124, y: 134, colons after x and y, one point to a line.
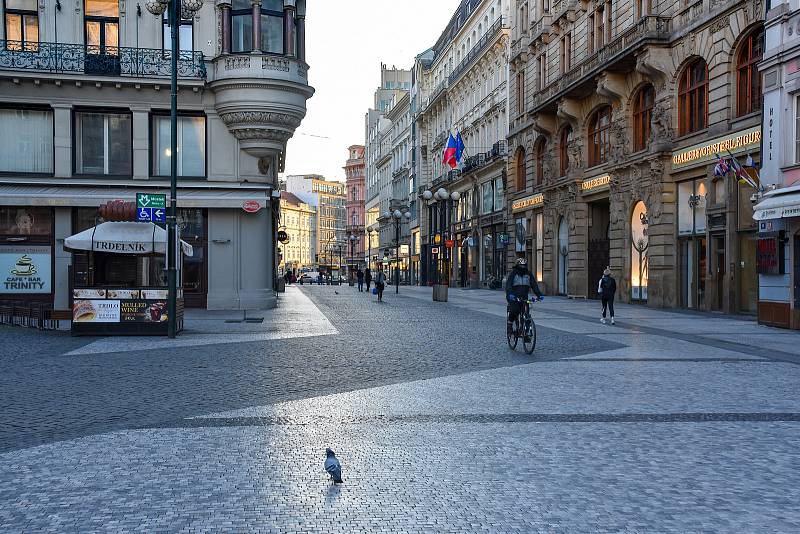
x: 354, y: 172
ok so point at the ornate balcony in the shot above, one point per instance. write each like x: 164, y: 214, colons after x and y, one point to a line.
x: 617, y: 51
x: 261, y: 98
x: 64, y: 58
x: 477, y: 49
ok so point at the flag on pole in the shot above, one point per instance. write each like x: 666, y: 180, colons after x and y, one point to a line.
x: 459, y: 147
x: 450, y: 150
x: 721, y: 168
x: 740, y: 173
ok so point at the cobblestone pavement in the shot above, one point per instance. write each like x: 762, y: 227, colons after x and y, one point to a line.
x: 666, y: 422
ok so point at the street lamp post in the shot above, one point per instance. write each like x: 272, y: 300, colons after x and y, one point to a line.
x: 369, y: 257
x: 352, y: 239
x: 398, y: 217
x: 441, y: 194
x: 176, y: 9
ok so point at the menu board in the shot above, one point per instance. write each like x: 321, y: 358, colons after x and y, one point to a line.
x: 95, y: 311
x: 143, y: 311
x: 119, y: 311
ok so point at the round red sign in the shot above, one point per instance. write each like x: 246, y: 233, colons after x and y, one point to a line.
x: 251, y: 206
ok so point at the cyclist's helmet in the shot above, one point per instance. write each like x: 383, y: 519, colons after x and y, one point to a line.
x: 522, y: 262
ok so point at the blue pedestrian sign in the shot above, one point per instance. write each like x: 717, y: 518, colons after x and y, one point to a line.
x: 151, y: 207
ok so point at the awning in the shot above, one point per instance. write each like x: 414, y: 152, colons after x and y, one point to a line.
x: 67, y: 195
x: 124, y: 238
x: 779, y: 204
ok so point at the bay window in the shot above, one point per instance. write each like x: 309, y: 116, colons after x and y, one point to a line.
x: 26, y: 141
x: 272, y: 26
x: 241, y: 26
x: 103, y: 143
x: 191, y: 155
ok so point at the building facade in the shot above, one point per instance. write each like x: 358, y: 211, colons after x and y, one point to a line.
x: 85, y: 90
x: 395, y: 83
x: 328, y: 199
x: 778, y: 250
x: 299, y: 221
x: 460, y: 86
x: 354, y: 176
x: 617, y: 110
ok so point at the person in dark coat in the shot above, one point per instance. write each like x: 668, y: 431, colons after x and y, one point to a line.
x: 360, y: 279
x: 380, y: 282
x: 367, y: 278
x: 606, y: 288
x: 519, y: 283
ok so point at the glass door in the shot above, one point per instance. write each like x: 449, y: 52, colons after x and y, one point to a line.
x: 101, y: 27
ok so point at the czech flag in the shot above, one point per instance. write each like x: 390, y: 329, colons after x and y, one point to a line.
x: 450, y: 151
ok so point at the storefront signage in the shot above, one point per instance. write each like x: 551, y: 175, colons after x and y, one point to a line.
x: 770, y: 254
x: 114, y: 246
x: 771, y: 225
x: 95, y: 311
x: 251, y: 206
x: 704, y: 152
x: 528, y: 202
x: 597, y: 183
x: 119, y: 311
x: 283, y: 237
x: 25, y: 269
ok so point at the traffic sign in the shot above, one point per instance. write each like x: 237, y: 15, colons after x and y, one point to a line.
x: 449, y: 243
x: 151, y: 215
x: 434, y: 250
x: 151, y: 207
x: 151, y: 200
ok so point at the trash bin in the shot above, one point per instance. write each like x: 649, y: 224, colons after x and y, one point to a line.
x: 439, y: 293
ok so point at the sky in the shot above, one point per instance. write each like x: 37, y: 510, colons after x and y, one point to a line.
x: 346, y: 41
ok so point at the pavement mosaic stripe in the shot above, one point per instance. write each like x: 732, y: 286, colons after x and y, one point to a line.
x: 479, y: 418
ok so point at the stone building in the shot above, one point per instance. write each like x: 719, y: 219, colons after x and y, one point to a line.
x: 328, y: 198
x: 354, y: 181
x: 299, y: 221
x: 778, y: 212
x: 460, y: 86
x: 395, y: 83
x: 84, y: 114
x: 617, y: 110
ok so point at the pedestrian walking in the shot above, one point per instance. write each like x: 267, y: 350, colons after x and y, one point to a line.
x: 380, y: 282
x: 606, y: 288
x: 367, y: 278
x: 360, y: 278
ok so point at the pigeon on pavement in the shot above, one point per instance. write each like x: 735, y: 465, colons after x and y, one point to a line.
x: 333, y: 467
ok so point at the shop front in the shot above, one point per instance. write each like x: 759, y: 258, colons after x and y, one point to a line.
x: 122, y: 289
x: 595, y: 193
x: 527, y: 233
x: 27, y: 260
x: 715, y: 227
x: 778, y: 258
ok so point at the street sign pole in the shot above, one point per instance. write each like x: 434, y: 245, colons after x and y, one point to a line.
x: 172, y: 273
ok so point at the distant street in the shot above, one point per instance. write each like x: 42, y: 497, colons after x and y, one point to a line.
x: 667, y: 421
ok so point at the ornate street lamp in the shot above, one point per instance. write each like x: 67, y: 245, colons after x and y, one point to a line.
x: 442, y: 195
x: 398, y: 217
x: 175, y: 11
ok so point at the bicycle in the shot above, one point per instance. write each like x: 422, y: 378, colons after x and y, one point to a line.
x: 524, y: 328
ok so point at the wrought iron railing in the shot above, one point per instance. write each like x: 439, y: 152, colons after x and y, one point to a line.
x: 649, y: 27
x: 476, y: 50
x: 63, y: 58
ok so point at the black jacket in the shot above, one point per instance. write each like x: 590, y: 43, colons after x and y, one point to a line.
x: 520, y: 280
x: 609, y: 286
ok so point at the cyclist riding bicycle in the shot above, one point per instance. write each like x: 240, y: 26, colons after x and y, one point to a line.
x: 519, y: 282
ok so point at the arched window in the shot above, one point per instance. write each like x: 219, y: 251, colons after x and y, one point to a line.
x: 563, y: 150
x: 599, y: 136
x: 520, y: 169
x: 541, y: 146
x: 748, y: 82
x: 642, y: 112
x: 693, y: 98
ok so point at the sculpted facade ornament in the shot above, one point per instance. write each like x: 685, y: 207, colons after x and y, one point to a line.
x: 661, y: 123
x: 258, y: 117
x: 574, y: 152
x: 618, y: 141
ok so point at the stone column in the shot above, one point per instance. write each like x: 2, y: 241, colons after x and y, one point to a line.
x: 289, y: 11
x: 225, y: 10
x: 301, y: 30
x: 257, y: 26
x: 62, y: 121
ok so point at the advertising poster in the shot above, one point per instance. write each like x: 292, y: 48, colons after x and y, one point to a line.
x: 123, y: 293
x: 25, y: 269
x: 95, y: 311
x: 142, y: 311
x: 521, y: 234
x: 89, y: 293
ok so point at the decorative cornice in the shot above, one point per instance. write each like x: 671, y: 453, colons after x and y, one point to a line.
x: 260, y: 117
x: 261, y: 134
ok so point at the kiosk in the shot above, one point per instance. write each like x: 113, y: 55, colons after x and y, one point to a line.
x: 119, y: 285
